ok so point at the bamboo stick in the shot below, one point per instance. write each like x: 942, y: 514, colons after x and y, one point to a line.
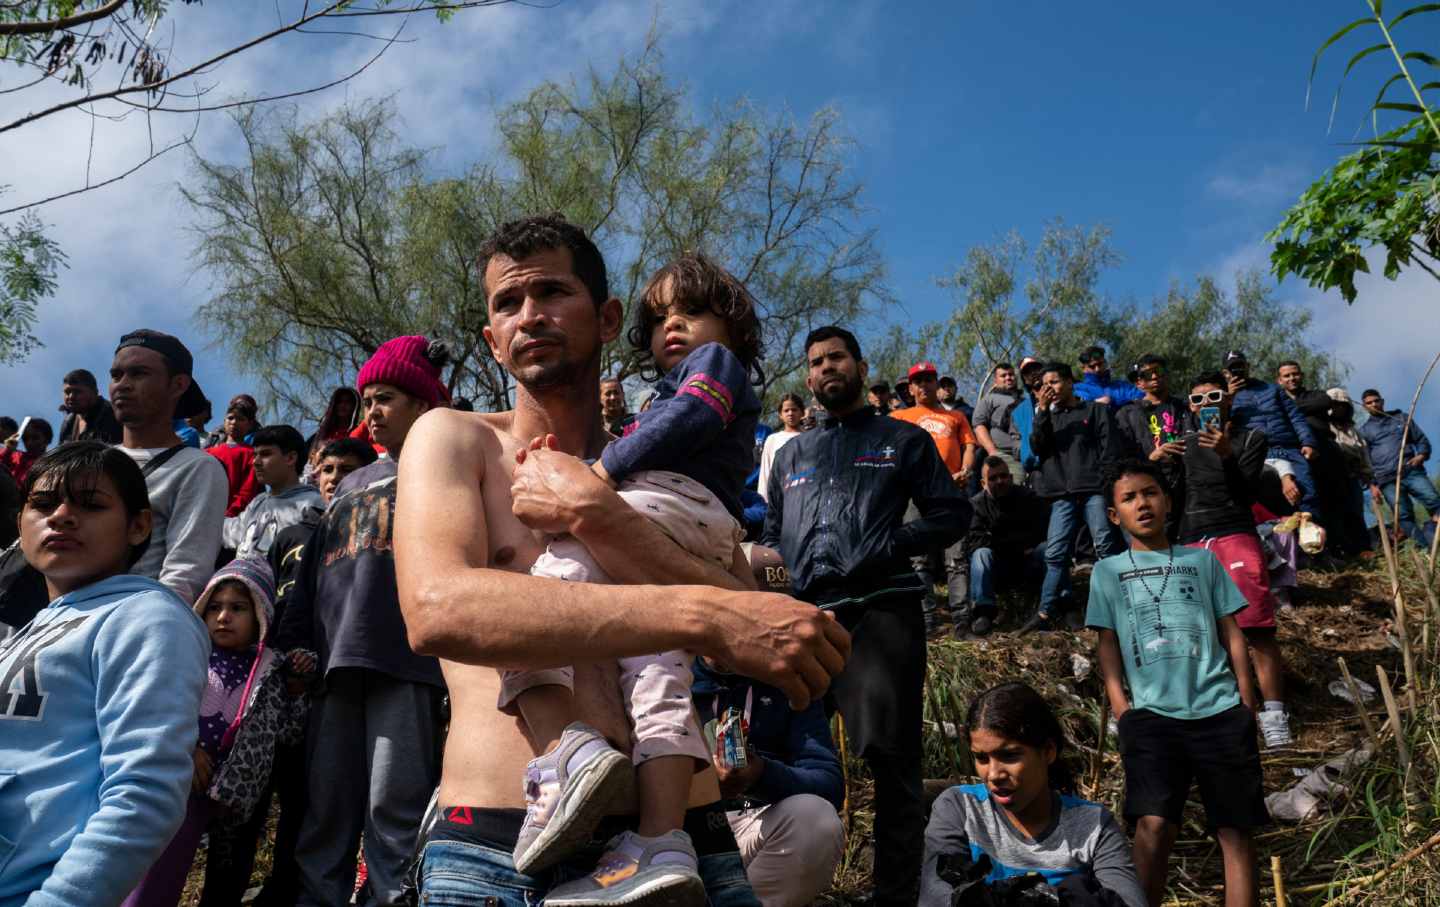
x: 1360, y: 707
x: 1279, y: 878
x: 1100, y: 746
x: 1364, y: 882
x: 1393, y: 710
x: 1411, y: 681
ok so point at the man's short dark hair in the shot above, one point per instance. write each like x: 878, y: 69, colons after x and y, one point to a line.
x: 44, y: 428
x: 1370, y: 392
x: 1288, y: 362
x: 999, y: 365
x: 245, y: 405
x: 1149, y: 360
x: 832, y: 332
x: 1214, y: 378
x: 350, y: 447
x: 947, y: 381
x: 8, y: 426
x: 1131, y: 468
x: 1091, y: 353
x: 286, y: 437
x: 993, y: 462
x: 81, y: 377
x: 1060, y: 368
x: 520, y: 239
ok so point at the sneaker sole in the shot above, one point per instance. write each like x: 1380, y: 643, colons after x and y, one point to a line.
x: 594, y: 790
x: 670, y: 890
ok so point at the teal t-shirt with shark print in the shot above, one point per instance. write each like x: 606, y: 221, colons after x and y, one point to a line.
x: 1175, y: 662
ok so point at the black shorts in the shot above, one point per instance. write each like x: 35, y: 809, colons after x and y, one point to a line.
x: 1162, y: 756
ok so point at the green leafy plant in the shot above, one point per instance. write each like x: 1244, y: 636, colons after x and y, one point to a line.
x: 1384, y: 195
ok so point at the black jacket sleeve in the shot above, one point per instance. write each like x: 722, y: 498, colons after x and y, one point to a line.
x: 775, y: 506
x: 297, y: 621
x: 944, y: 510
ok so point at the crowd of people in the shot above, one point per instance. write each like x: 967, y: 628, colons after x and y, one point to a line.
x: 438, y: 643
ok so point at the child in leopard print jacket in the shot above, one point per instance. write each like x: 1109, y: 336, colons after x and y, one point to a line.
x: 254, y: 699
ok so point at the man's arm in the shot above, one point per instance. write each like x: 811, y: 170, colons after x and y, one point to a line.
x: 459, y: 608
x: 775, y: 511
x: 1296, y: 418
x: 192, y: 538
x: 944, y: 510
x: 1234, y: 639
x: 1112, y: 669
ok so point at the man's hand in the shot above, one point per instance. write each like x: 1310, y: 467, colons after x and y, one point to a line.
x: 1234, y: 384
x: 1219, y: 441
x: 1046, y: 396
x: 301, y: 662
x: 204, y: 770
x: 1375, y: 493
x: 736, y: 781
x: 1417, y: 460
x: 1307, y: 452
x: 551, y: 491
x: 793, y: 646
x: 962, y: 477
x: 1291, y: 489
x: 1105, y: 399
x: 1168, y: 450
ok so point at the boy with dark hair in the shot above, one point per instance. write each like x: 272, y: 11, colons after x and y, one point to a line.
x: 279, y: 455
x: 1152, y: 427
x: 236, y: 454
x: 1166, y: 619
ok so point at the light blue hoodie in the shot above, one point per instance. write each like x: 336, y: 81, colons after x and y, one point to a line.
x: 98, y: 705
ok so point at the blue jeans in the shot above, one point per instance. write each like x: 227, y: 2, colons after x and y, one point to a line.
x: 1309, y: 499
x: 457, y: 872
x: 1414, y: 483
x: 988, y: 571
x: 1065, y: 516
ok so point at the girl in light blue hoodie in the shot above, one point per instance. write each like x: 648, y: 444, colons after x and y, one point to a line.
x: 98, y: 694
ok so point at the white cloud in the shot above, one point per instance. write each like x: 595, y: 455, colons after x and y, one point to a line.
x: 1262, y: 184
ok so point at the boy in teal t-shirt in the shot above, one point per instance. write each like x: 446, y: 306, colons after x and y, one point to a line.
x: 1167, y: 629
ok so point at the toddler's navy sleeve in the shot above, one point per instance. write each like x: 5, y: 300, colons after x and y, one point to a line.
x: 710, y: 385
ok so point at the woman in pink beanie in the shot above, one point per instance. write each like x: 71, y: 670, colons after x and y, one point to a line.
x: 398, y: 385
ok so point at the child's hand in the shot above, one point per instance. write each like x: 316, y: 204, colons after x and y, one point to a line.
x: 204, y: 769
x: 302, y: 662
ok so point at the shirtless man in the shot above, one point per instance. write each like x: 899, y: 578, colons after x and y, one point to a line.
x: 471, y: 521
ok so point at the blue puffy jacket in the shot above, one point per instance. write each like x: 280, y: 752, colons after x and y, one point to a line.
x: 1382, y: 437
x: 1092, y: 387
x: 1268, y: 408
x: 796, y: 746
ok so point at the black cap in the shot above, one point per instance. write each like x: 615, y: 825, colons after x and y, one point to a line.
x: 1236, y: 356
x: 178, y: 358
x: 1092, y: 353
x: 881, y: 387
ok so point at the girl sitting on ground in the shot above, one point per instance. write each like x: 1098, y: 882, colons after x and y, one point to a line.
x: 1022, y: 826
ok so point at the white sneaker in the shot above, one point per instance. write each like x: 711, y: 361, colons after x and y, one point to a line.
x: 1275, y: 728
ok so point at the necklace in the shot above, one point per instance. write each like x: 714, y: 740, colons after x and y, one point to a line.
x: 1169, y: 566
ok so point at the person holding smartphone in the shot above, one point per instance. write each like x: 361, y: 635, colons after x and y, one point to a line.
x: 1224, y: 467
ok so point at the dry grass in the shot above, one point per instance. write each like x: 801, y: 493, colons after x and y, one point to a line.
x: 1346, y: 613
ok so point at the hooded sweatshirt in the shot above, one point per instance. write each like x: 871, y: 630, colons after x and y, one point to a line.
x: 247, y: 708
x: 98, y: 698
x: 253, y: 532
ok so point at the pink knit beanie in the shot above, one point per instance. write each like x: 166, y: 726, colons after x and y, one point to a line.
x: 401, y: 362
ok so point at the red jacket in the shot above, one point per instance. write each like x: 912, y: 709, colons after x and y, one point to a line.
x: 239, y: 463
x: 17, y: 463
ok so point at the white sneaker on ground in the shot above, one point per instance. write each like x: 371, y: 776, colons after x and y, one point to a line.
x: 1275, y: 728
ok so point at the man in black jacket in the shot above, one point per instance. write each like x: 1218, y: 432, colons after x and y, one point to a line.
x: 1006, y: 540
x: 1332, y: 483
x: 1075, y: 442
x: 89, y: 416
x: 838, y: 497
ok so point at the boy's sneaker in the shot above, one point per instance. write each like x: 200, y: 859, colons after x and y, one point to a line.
x: 1275, y: 728
x: 982, y: 625
x: 1039, y: 623
x: 638, y: 872
x: 567, y: 792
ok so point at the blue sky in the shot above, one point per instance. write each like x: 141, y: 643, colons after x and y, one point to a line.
x: 1184, y: 132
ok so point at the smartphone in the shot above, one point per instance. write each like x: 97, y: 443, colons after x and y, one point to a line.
x: 1209, y: 418
x: 24, y: 424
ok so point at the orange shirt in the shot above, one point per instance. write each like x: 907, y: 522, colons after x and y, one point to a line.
x: 949, y: 428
